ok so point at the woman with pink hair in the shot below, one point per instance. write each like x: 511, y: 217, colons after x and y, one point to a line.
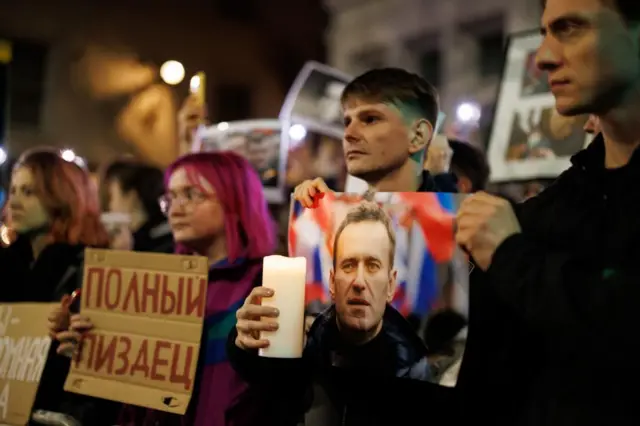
x: 216, y: 208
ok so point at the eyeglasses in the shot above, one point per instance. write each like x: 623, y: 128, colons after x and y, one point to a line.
x: 186, y: 196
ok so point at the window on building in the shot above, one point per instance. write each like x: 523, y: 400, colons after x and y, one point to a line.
x: 27, y: 73
x: 233, y: 102
x: 430, y: 67
x: 491, y: 54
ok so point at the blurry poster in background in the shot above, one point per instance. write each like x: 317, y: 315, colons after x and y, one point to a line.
x: 432, y: 272
x: 529, y: 139
x: 259, y: 141
x: 312, y: 113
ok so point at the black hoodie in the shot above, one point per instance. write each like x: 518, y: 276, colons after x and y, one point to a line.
x: 553, y: 324
x: 372, y: 385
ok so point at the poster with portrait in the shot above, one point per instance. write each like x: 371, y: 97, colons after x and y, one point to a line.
x: 259, y: 141
x: 529, y: 139
x: 395, y: 262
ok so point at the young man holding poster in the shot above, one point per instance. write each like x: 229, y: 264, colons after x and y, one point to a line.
x: 556, y: 289
x: 389, y: 117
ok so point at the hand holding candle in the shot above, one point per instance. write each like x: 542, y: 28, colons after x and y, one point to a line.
x: 281, y: 297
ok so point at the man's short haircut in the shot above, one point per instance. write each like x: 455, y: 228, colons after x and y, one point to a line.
x: 628, y: 9
x: 395, y: 86
x: 367, y: 211
x: 470, y: 162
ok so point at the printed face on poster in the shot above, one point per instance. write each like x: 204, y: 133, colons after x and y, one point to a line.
x: 259, y: 141
x: 395, y: 259
x: 529, y: 139
x: 147, y: 310
x: 24, y: 349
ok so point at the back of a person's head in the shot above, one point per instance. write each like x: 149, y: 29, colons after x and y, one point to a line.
x: 249, y: 227
x: 146, y: 181
x: 68, y: 195
x: 468, y: 161
x: 395, y: 86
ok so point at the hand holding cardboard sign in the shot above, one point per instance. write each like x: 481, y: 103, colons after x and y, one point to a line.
x: 254, y: 318
x: 309, y: 192
x: 59, y: 317
x: 69, y: 339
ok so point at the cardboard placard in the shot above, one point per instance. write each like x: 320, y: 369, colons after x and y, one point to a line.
x: 23, y: 354
x: 147, y: 310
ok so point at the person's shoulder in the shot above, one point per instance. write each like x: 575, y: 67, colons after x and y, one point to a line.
x: 566, y: 184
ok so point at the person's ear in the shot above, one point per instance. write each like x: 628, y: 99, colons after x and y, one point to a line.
x: 393, y: 283
x: 421, y: 134
x: 332, y: 284
x: 464, y: 185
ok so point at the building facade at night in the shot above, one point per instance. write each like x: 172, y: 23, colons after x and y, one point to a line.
x: 457, y: 45
x: 85, y: 74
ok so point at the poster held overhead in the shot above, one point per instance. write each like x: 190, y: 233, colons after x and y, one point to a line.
x: 529, y: 138
x: 313, y: 103
x: 259, y: 141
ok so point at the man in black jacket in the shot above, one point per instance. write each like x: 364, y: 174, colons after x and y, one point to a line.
x: 389, y: 116
x: 554, y: 298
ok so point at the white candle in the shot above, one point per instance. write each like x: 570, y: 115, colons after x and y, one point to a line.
x: 286, y: 276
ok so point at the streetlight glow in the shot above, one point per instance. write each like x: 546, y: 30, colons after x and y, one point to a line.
x: 172, y: 72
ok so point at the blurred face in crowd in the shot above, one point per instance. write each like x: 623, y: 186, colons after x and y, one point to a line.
x: 380, y: 137
x: 26, y: 210
x: 590, y: 54
x: 363, y: 281
x: 121, y: 201
x: 195, y: 214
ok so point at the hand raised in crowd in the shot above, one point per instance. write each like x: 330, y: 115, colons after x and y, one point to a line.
x: 310, y: 191
x: 59, y: 317
x: 483, y: 222
x: 70, y: 338
x: 254, y: 318
x: 439, y: 156
x: 190, y: 116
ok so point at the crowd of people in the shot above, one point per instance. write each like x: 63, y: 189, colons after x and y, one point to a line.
x: 553, y: 292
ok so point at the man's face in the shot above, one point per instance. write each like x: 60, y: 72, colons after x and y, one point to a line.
x: 378, y: 138
x: 591, y: 55
x: 363, y: 281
